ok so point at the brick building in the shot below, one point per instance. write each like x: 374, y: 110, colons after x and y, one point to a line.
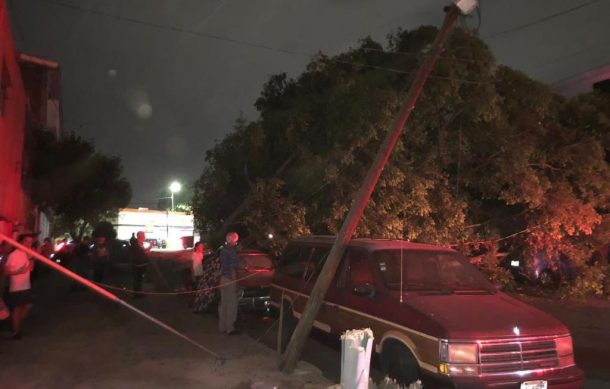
x: 30, y: 99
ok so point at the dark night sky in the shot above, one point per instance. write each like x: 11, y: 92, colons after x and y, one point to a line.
x: 159, y: 97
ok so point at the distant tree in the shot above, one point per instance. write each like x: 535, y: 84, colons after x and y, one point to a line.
x: 80, y: 185
x: 104, y: 228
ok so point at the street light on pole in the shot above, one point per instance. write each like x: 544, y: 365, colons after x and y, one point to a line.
x: 174, y: 187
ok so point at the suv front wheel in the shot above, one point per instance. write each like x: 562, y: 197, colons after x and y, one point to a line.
x: 398, y: 363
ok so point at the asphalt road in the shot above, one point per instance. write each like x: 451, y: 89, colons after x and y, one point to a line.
x: 77, y: 339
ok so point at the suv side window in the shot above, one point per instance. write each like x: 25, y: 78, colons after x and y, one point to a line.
x: 355, y: 271
x: 294, y: 261
x: 317, y: 260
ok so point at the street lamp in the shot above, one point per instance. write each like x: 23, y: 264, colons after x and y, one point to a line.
x: 174, y: 187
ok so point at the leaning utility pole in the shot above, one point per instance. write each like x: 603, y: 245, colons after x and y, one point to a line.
x: 301, y: 333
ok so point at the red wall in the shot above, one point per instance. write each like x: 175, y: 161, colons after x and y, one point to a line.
x: 13, y: 202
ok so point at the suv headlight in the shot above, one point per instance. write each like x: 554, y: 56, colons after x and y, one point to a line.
x: 459, y: 358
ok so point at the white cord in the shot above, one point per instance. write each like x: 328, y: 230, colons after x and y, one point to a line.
x: 401, y: 271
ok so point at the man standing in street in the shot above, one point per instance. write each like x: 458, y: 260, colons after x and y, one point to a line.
x: 80, y: 266
x: 47, y: 248
x: 139, y: 262
x: 99, y: 255
x: 229, y: 266
x: 18, y: 267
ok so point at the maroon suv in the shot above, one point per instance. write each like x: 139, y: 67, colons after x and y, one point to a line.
x: 256, y: 273
x: 433, y: 315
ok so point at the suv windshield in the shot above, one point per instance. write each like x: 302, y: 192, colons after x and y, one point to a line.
x: 430, y: 271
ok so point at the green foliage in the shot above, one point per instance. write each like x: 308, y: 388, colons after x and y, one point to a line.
x: 496, y: 274
x: 80, y: 185
x: 489, y: 263
x: 487, y: 152
x: 591, y: 282
x: 272, y: 213
x: 182, y: 207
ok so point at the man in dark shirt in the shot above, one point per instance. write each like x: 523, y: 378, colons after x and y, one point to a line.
x: 82, y: 256
x: 99, y: 254
x: 139, y: 262
x: 229, y: 267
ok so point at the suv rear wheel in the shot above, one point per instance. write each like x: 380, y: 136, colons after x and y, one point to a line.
x: 398, y: 363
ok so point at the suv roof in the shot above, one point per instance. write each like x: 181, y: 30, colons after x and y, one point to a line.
x: 370, y: 243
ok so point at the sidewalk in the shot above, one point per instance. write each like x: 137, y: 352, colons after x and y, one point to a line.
x: 79, y: 340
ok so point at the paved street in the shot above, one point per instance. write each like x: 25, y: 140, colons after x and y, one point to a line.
x: 589, y: 322
x: 76, y: 339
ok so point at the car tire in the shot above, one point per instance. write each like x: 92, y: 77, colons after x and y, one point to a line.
x: 289, y: 323
x: 398, y: 363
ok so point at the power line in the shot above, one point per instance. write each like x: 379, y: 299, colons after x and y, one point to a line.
x: 529, y: 229
x: 310, y: 55
x: 542, y: 20
x: 574, y: 75
x: 172, y: 28
x: 242, y: 42
x: 213, y: 13
x: 573, y: 54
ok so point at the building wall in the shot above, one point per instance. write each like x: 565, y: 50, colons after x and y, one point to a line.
x: 165, y: 226
x: 42, y: 81
x: 13, y: 201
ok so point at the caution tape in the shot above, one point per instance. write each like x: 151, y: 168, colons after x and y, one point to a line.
x: 125, y: 290
x: 108, y: 295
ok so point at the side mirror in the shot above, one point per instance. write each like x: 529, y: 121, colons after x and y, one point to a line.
x: 365, y: 290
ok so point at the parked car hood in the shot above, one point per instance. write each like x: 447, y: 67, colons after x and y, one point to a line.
x: 484, y: 316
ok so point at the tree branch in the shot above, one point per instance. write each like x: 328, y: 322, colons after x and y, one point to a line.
x: 248, y: 199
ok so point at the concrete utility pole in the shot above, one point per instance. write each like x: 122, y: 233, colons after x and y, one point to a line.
x: 301, y: 333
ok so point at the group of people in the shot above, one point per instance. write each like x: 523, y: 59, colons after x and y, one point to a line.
x: 18, y: 267
x: 91, y: 260
x: 203, y: 276
x: 89, y: 256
